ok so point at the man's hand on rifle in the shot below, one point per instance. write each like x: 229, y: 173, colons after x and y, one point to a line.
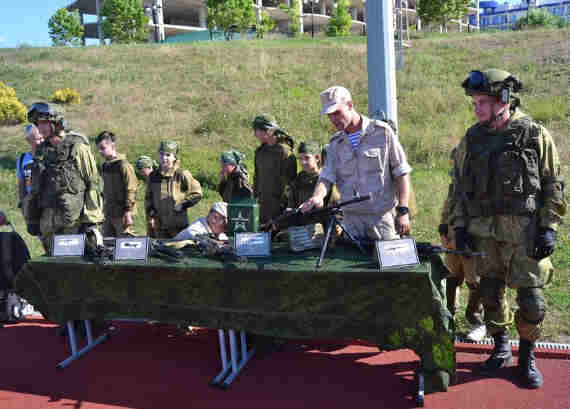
x: 313, y: 202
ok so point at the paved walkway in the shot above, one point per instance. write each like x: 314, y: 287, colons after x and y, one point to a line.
x: 145, y: 366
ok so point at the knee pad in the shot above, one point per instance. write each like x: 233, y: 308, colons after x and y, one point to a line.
x: 490, y: 290
x: 532, y: 306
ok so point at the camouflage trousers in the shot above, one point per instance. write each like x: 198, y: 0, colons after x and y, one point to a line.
x: 508, y: 264
x: 114, y: 227
x: 371, y: 225
x: 52, y: 224
x: 462, y: 270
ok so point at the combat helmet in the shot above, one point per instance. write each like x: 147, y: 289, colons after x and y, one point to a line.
x: 492, y: 82
x: 44, y: 111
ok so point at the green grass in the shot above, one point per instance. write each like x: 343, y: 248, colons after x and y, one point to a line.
x: 205, y: 95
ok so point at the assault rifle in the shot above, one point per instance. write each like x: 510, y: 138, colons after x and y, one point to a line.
x: 427, y: 249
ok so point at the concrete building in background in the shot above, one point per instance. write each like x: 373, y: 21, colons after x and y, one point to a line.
x: 185, y: 20
x: 502, y: 16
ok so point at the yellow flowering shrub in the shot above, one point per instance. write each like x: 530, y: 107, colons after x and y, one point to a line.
x: 66, y: 96
x: 12, y: 111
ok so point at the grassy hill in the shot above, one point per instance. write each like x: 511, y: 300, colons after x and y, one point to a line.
x: 205, y: 95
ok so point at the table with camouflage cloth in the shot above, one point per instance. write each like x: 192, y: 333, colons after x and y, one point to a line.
x: 282, y: 296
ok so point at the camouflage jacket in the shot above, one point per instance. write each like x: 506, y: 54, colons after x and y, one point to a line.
x: 275, y: 168
x: 119, y: 186
x: 167, y: 189
x: 235, y: 187
x: 506, y: 227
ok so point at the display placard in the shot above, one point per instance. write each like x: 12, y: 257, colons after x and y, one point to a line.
x: 394, y: 254
x: 65, y: 245
x: 253, y: 244
x: 131, y: 248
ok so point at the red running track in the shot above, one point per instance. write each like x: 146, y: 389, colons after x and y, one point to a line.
x: 146, y: 366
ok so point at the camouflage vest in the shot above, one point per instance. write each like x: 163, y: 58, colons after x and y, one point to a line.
x: 61, y: 184
x: 501, y: 174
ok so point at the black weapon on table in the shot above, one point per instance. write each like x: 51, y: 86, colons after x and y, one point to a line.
x: 298, y: 218
x: 427, y: 249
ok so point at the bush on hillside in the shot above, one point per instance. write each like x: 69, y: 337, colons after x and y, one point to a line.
x: 540, y: 18
x: 66, y: 96
x: 12, y: 111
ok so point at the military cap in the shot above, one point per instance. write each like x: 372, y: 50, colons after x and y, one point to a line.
x: 309, y: 147
x: 264, y: 122
x: 232, y: 157
x: 105, y: 136
x: 332, y: 98
x: 168, y: 146
x: 145, y: 162
x: 221, y: 208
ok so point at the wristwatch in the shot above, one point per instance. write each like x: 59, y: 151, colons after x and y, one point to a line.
x: 402, y: 210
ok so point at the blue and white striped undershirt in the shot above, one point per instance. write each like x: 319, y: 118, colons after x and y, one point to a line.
x: 354, y: 139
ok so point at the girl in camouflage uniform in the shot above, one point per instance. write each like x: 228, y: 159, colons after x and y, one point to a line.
x: 275, y: 167
x: 234, y: 180
x: 170, y: 192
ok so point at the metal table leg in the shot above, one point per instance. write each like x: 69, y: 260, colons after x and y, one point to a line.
x: 238, y: 358
x: 91, y: 343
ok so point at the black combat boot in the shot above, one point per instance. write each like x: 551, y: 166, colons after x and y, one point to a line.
x: 501, y: 356
x: 529, y: 374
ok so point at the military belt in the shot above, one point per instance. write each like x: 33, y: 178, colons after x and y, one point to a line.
x: 512, y: 206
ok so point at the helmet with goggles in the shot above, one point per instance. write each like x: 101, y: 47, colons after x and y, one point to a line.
x: 492, y: 82
x: 43, y: 111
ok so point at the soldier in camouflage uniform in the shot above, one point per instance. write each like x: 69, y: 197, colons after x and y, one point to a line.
x: 119, y: 188
x: 66, y: 187
x: 234, y: 180
x: 170, y: 192
x: 510, y: 202
x: 364, y: 156
x: 461, y: 268
x: 275, y: 167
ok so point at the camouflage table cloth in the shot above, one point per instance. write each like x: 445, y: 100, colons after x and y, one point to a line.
x: 283, y: 296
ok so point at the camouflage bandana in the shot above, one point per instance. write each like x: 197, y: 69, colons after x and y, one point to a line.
x: 264, y: 122
x: 309, y: 147
x: 145, y: 162
x: 168, y: 147
x: 232, y: 157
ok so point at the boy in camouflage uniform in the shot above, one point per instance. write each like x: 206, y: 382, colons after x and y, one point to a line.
x: 170, y: 192
x: 510, y: 202
x: 234, y: 180
x: 145, y: 165
x: 461, y: 268
x: 275, y: 167
x: 119, y: 188
x: 66, y: 192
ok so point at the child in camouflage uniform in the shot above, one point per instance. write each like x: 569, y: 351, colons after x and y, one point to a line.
x: 170, y: 192
x: 119, y: 188
x: 234, y: 180
x: 275, y: 167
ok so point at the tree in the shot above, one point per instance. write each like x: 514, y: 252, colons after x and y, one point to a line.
x: 266, y: 25
x: 230, y: 15
x: 341, y: 20
x: 294, y: 14
x: 124, y: 21
x: 441, y: 11
x: 65, y: 28
x: 540, y: 18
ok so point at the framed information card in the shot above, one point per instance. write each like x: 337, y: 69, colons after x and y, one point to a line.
x: 68, y: 245
x: 253, y: 244
x: 131, y: 248
x: 394, y: 254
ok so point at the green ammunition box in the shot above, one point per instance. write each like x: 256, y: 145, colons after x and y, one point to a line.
x: 243, y: 217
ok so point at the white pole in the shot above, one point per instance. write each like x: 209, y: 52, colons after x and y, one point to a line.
x: 99, y: 22
x: 382, y: 102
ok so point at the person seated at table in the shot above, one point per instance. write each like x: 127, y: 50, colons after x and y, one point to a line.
x: 215, y: 223
x: 234, y: 180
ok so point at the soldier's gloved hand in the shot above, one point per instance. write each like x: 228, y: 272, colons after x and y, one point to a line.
x: 544, y: 243
x: 34, y: 229
x: 463, y: 240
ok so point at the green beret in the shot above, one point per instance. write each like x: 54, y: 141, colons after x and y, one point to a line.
x: 145, y: 162
x: 264, y: 122
x: 168, y: 147
x: 232, y: 157
x: 309, y: 147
